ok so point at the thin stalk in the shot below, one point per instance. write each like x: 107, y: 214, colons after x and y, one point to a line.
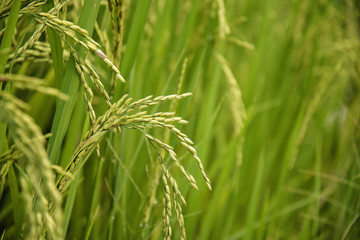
x: 4, y: 47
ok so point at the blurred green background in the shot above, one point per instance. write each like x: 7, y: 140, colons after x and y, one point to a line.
x: 274, y: 115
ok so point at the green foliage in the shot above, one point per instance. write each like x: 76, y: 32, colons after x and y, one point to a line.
x: 274, y: 117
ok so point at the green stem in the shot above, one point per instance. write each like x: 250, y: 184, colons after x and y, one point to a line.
x: 5, y: 45
x: 9, y: 34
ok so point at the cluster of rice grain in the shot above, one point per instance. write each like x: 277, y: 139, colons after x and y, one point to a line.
x: 75, y: 32
x: 5, y: 6
x: 6, y: 160
x: 41, y: 28
x: 224, y: 28
x: 116, y: 8
x: 40, y: 52
x: 119, y: 115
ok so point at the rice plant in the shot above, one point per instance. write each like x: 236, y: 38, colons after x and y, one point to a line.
x: 124, y: 113
x: 93, y: 138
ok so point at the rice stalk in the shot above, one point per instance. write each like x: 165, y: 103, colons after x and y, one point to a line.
x: 158, y: 169
x: 6, y: 160
x: 75, y: 32
x: 236, y: 104
x: 63, y: 10
x: 40, y: 52
x: 235, y: 96
x: 176, y: 194
x: 37, y: 172
x: 116, y: 8
x: 118, y: 116
x: 167, y: 201
x: 31, y: 83
x: 240, y: 43
x: 32, y: 7
x: 41, y: 28
x: 167, y: 231
x: 32, y: 230
x: 224, y: 28
x: 27, y: 6
x: 5, y: 6
x: 84, y: 67
x: 88, y: 95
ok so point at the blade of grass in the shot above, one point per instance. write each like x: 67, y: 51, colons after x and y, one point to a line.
x: 9, y: 34
x: 5, y: 45
x: 224, y: 197
x: 74, y: 186
x: 254, y: 199
x: 317, y: 188
x: 16, y: 201
x: 70, y: 203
